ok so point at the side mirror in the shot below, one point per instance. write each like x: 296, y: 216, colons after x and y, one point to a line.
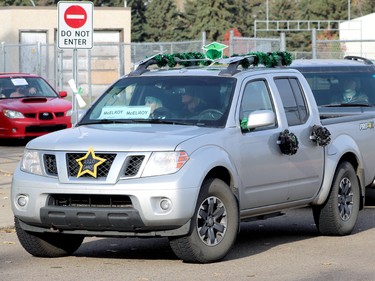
x: 63, y: 94
x: 260, y: 118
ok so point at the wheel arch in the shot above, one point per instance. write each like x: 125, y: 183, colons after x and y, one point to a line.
x: 355, y: 162
x: 224, y: 174
x: 330, y: 171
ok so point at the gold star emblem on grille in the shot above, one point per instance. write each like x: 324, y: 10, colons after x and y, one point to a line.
x: 89, y: 164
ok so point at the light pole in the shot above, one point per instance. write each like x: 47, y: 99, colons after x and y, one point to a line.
x: 348, y: 10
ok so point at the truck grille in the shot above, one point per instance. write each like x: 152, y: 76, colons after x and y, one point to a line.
x: 102, y: 170
x: 89, y: 201
x: 132, y: 164
x: 50, y: 164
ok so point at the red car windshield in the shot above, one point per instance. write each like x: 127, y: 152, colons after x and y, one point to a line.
x: 18, y: 87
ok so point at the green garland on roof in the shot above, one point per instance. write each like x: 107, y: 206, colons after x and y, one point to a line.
x: 268, y: 59
x: 197, y: 58
x: 192, y: 59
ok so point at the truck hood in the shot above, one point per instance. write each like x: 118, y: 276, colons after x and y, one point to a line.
x: 119, y: 137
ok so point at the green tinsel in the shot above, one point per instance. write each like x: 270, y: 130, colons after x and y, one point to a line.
x: 270, y: 59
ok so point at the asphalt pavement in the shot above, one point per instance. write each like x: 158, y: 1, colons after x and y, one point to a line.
x: 9, y: 159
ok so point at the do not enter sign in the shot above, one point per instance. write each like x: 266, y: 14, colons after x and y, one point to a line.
x: 75, y: 30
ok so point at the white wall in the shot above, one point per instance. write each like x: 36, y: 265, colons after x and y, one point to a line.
x: 361, y: 28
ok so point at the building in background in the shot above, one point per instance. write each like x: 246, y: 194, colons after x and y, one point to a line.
x: 29, y: 35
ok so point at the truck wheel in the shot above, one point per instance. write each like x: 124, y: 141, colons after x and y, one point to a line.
x: 214, y: 226
x: 339, y: 214
x: 47, y: 245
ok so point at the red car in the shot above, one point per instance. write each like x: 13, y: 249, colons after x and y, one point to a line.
x: 30, y: 107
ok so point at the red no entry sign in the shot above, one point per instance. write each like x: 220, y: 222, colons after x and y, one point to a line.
x: 75, y: 16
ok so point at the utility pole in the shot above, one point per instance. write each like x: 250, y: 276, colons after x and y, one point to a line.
x: 348, y: 9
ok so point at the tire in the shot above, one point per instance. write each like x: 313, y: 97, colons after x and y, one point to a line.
x: 214, y: 225
x: 47, y: 245
x: 340, y: 212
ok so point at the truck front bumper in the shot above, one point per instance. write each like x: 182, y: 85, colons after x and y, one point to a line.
x: 142, y: 206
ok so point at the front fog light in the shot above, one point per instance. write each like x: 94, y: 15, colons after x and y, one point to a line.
x: 22, y: 200
x: 165, y: 204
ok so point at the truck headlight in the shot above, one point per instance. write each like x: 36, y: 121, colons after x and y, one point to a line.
x: 12, y: 114
x: 163, y: 163
x: 31, y: 163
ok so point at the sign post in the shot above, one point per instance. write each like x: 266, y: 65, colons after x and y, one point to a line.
x: 75, y: 31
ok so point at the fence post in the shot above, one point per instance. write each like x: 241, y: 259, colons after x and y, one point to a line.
x: 39, y: 53
x: 89, y: 77
x: 60, y: 57
x: 313, y: 43
x: 4, y: 55
x: 122, y: 59
x: 282, y: 42
x: 203, y: 38
x: 231, y: 42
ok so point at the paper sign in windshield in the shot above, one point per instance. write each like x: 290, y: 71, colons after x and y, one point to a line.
x: 125, y: 112
x: 19, y: 82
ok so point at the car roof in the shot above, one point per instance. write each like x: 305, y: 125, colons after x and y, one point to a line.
x: 16, y: 74
x: 209, y: 71
x: 332, y: 65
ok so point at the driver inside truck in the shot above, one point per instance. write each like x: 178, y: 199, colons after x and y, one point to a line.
x: 351, y: 93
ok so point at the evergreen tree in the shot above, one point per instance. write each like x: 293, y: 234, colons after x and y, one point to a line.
x: 215, y: 17
x: 245, y: 12
x: 138, y: 19
x: 108, y: 3
x: 164, y: 22
x: 190, y: 16
x: 360, y: 8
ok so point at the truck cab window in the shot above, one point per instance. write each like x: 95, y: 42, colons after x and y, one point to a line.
x: 293, y: 101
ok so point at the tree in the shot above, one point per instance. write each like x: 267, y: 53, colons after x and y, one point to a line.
x: 214, y: 17
x: 163, y: 21
x: 138, y: 19
x: 246, y: 11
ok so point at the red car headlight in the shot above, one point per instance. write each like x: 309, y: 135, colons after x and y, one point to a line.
x: 12, y: 114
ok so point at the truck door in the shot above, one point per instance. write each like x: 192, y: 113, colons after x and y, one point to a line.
x: 263, y: 169
x: 305, y: 168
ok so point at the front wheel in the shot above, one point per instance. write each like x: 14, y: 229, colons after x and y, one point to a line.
x: 214, y: 226
x: 340, y: 212
x: 47, y: 245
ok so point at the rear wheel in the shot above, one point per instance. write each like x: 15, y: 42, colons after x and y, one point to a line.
x: 47, y: 244
x: 214, y: 226
x: 340, y: 212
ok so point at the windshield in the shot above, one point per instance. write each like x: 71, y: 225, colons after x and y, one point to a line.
x: 193, y: 100
x: 20, y: 87
x: 346, y: 88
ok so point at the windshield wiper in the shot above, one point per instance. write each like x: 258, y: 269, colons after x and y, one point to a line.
x: 167, y: 121
x: 347, y: 105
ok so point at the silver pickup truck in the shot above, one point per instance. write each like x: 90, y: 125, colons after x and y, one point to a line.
x: 187, y: 153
